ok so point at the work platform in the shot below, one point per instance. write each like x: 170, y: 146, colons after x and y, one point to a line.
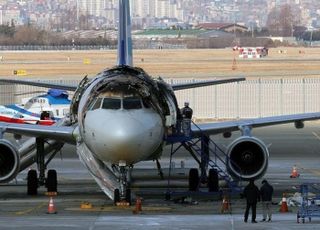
x: 212, y: 161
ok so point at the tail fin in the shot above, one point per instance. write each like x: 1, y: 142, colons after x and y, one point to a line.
x: 124, y: 34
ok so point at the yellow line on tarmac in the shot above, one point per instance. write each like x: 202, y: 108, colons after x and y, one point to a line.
x: 29, y: 210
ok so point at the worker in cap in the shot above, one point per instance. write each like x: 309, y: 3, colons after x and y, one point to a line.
x: 186, y: 112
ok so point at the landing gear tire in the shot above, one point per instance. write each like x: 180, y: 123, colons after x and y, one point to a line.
x: 116, y: 196
x: 128, y: 196
x: 32, y: 182
x: 213, y: 181
x: 51, y: 182
x: 193, y: 179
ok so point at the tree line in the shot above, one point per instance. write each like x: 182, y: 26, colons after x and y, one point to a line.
x: 29, y: 35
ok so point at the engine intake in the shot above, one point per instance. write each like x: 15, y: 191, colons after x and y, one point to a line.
x: 247, y: 158
x: 9, y: 161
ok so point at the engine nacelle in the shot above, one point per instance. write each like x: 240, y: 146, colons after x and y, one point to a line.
x: 247, y: 158
x: 9, y: 161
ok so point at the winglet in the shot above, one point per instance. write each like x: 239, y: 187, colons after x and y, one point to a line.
x: 124, y: 34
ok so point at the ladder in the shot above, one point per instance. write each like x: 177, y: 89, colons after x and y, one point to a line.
x: 207, y: 154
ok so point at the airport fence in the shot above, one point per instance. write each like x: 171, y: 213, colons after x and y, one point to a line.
x: 246, y: 99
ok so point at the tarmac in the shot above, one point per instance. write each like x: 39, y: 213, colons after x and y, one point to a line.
x: 288, y: 147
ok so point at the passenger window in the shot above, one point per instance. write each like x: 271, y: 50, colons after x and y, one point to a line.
x: 96, y: 104
x: 111, y: 103
x: 131, y: 103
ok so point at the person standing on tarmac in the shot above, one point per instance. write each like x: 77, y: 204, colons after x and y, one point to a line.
x: 266, y: 192
x: 252, y: 195
x: 186, y: 112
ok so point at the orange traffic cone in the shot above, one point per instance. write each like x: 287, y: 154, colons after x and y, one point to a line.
x: 51, y: 207
x: 138, y: 206
x: 234, y: 64
x: 294, y: 172
x: 226, y: 206
x: 284, y: 205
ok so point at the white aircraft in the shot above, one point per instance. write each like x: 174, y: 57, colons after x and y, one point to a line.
x: 44, y: 109
x: 121, y: 117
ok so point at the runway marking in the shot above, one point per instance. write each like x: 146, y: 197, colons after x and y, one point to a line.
x: 313, y: 171
x: 29, y: 210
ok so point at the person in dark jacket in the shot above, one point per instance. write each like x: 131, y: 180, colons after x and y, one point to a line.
x: 266, y: 192
x: 186, y: 112
x: 252, y: 195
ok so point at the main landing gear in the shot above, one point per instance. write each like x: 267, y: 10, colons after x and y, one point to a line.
x: 33, y: 181
x: 123, y: 194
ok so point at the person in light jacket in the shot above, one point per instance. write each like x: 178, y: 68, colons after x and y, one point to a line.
x: 266, y: 192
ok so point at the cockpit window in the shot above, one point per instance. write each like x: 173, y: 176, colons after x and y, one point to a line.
x: 111, y: 103
x: 96, y: 104
x: 132, y: 103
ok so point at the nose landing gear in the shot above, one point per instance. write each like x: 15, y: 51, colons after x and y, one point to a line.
x: 122, y: 196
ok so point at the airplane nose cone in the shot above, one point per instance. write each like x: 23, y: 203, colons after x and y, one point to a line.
x: 120, y: 134
x: 124, y: 137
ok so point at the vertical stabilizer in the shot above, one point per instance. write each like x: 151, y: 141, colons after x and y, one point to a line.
x: 124, y: 34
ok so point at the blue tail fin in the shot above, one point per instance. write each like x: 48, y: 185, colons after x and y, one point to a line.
x: 124, y: 34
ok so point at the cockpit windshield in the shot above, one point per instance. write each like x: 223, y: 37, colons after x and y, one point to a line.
x: 117, y: 101
x: 96, y: 104
x: 111, y: 103
x: 131, y: 103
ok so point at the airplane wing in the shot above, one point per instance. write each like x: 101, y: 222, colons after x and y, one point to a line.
x: 175, y: 87
x: 191, y: 85
x: 40, y: 84
x: 60, y: 133
x: 229, y: 126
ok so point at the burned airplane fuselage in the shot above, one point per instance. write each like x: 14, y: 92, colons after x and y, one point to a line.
x: 123, y: 115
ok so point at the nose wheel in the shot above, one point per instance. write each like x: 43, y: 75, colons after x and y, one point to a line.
x: 123, y: 194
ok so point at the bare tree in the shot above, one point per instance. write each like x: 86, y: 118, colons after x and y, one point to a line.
x: 280, y: 22
x: 26, y: 35
x: 287, y: 20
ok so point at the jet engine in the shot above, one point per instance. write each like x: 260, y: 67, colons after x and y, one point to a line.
x: 247, y: 158
x: 14, y: 159
x: 9, y: 161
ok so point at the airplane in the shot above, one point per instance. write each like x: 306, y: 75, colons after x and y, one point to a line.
x: 122, y: 117
x: 44, y: 109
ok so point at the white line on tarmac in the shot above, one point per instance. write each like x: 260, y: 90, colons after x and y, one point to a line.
x: 316, y: 135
